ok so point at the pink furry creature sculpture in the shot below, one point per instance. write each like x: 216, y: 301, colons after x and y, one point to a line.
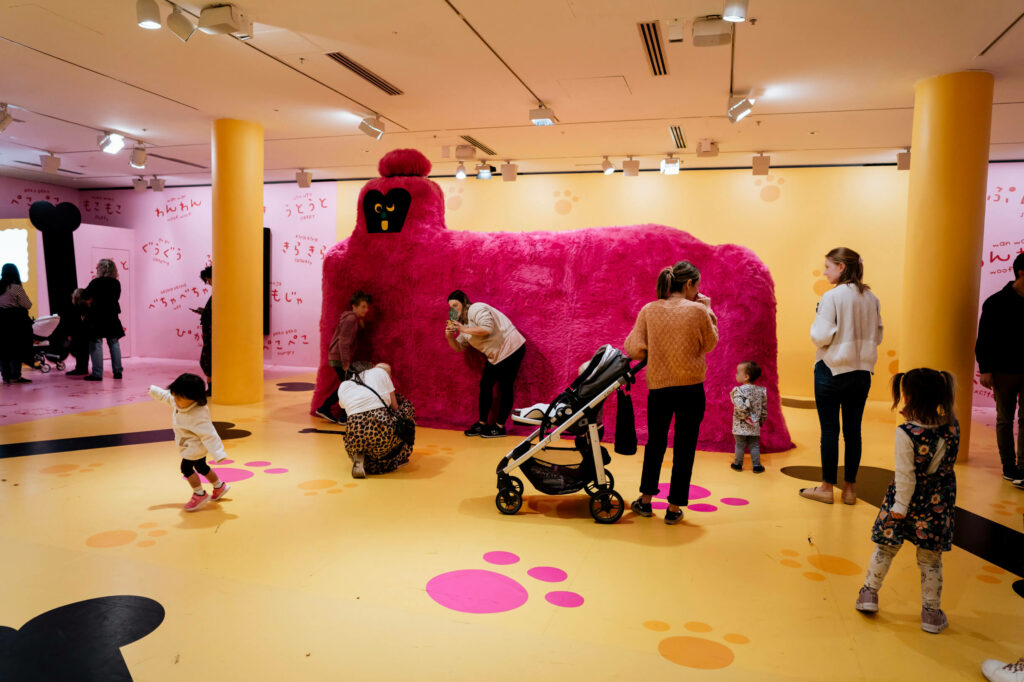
x: 567, y: 292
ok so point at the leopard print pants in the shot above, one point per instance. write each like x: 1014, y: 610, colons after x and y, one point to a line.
x: 370, y: 438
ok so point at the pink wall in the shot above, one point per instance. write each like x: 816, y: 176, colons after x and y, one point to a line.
x: 17, y: 195
x: 1004, y: 239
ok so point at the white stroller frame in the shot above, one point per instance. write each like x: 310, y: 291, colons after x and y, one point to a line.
x: 606, y: 505
x: 42, y: 330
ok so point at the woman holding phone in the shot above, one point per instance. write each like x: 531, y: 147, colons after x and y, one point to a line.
x: 489, y: 331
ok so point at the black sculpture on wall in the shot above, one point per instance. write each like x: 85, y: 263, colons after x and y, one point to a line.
x: 58, y: 223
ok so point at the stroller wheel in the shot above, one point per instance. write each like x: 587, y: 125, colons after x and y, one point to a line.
x: 508, y: 501
x: 61, y: 366
x: 517, y: 485
x: 607, y: 506
x: 593, y: 489
x: 44, y: 368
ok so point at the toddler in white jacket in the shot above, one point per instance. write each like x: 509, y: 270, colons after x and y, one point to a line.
x: 195, y: 435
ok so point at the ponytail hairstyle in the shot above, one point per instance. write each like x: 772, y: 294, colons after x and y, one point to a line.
x: 853, y: 273
x: 927, y: 396
x: 672, y: 279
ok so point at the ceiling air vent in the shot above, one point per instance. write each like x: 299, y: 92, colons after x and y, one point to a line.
x: 650, y: 34
x: 479, y: 145
x: 364, y: 73
x: 677, y: 137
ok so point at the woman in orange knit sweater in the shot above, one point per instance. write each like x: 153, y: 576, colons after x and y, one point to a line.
x: 673, y: 333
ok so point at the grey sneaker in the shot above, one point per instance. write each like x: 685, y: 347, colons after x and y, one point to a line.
x: 933, y: 621
x: 867, y: 600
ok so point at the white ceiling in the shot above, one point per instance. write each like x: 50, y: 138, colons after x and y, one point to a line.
x: 834, y: 77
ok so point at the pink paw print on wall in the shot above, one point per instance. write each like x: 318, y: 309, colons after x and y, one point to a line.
x: 475, y: 590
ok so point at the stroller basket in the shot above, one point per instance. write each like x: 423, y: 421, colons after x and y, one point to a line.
x: 574, y: 412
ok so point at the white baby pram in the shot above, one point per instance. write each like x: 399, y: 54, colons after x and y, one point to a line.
x: 574, y: 412
x: 44, y: 346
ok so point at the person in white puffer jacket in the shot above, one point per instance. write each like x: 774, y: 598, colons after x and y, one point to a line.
x: 195, y: 435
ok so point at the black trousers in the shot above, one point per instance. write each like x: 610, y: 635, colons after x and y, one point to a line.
x: 504, y: 375
x: 1009, y: 395
x: 686, y: 404
x: 190, y: 465
x: 834, y: 394
x: 332, y: 397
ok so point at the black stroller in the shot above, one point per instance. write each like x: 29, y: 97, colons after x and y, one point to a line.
x: 48, y: 345
x: 574, y: 412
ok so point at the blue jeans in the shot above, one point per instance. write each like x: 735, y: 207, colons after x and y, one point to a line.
x: 96, y: 353
x: 834, y: 394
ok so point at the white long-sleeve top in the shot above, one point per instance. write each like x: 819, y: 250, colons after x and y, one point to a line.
x: 847, y: 329
x: 193, y: 429
x: 906, y: 478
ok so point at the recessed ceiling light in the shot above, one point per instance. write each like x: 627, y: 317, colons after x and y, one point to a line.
x: 509, y: 171
x: 372, y: 126
x: 670, y: 165
x: 180, y: 25
x: 138, y: 159
x: 148, y: 13
x: 740, y: 107
x: 542, y: 116
x: 607, y: 166
x: 111, y: 143
x: 735, y: 11
x: 460, y: 172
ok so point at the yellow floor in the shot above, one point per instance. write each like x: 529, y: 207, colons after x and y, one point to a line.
x: 309, y: 575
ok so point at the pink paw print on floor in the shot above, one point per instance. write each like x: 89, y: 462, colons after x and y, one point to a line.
x: 234, y: 474
x: 477, y: 590
x: 696, y: 493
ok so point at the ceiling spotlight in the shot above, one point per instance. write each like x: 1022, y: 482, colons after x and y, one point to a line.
x: 225, y: 19
x: 138, y: 159
x: 707, y: 147
x: 484, y: 170
x: 631, y: 168
x: 139, y: 184
x: 148, y: 13
x: 903, y: 160
x: 670, y: 165
x: 157, y: 184
x: 761, y: 164
x: 50, y: 163
x: 372, y: 126
x: 607, y: 166
x: 180, y: 25
x: 509, y: 171
x: 740, y: 107
x: 111, y: 143
x: 303, y: 178
x: 735, y: 11
x: 460, y: 172
x: 5, y: 118
x: 542, y: 117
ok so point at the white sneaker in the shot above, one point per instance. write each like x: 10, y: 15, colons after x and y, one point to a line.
x: 997, y: 671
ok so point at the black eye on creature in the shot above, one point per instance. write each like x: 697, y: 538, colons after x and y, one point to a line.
x: 385, y: 213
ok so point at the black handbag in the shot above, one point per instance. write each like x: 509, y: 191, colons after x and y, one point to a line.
x: 405, y: 428
x: 625, y: 424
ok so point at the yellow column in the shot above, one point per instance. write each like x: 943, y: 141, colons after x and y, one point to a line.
x: 237, y: 262
x: 945, y: 227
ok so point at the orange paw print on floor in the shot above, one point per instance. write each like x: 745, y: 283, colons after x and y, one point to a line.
x: 770, y: 191
x: 65, y: 470
x: 563, y: 205
x: 326, y: 485
x: 453, y: 198
x: 826, y: 563
x: 696, y: 652
x: 1003, y: 508
x: 990, y: 573
x: 117, y: 538
x: 821, y: 284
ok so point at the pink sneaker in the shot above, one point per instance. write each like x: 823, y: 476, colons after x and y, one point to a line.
x: 196, y: 501
x: 219, y: 492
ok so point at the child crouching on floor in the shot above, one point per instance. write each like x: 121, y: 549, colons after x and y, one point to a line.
x: 920, y: 502
x: 750, y: 410
x: 195, y: 436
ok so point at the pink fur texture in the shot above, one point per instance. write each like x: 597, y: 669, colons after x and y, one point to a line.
x: 567, y: 292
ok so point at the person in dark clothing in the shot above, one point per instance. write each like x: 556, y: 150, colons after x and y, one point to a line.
x: 1001, y: 364
x: 342, y: 349
x: 16, y: 337
x: 102, y: 321
x: 74, y: 326
x: 206, y: 324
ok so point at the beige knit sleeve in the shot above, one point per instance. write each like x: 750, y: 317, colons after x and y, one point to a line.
x: 636, y: 342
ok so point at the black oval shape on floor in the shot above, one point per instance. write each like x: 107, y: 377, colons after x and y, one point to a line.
x: 295, y: 386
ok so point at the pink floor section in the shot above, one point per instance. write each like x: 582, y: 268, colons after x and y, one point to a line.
x: 54, y: 394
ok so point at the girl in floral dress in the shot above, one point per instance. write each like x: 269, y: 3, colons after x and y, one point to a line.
x: 919, y: 504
